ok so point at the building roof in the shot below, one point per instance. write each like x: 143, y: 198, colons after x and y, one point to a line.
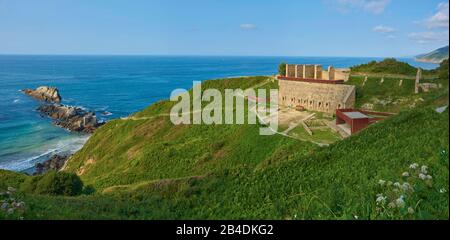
x: 355, y: 115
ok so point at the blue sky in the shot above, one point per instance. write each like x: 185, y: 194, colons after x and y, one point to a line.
x: 372, y: 28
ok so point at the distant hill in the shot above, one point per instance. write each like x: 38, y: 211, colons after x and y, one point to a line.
x: 436, y: 56
x: 387, y: 66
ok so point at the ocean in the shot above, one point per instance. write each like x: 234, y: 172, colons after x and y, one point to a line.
x: 113, y: 87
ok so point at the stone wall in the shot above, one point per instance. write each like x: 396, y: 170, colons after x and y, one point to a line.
x: 310, y: 71
x: 316, y: 96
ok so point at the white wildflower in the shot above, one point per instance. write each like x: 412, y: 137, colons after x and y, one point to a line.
x: 429, y: 177
x: 397, y: 184
x: 405, y: 174
x: 381, y: 182
x: 11, y: 189
x: 381, y: 199
x: 414, y: 166
x: 411, y: 210
x: 422, y: 176
x: 400, y: 202
x: 406, y: 186
x: 424, y: 169
x: 442, y: 190
x: 356, y: 217
x: 391, y: 205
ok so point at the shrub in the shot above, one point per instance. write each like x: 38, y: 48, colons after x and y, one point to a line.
x: 443, y: 70
x: 54, y: 183
x: 282, y: 69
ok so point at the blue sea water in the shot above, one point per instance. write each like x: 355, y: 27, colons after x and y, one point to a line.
x: 119, y: 85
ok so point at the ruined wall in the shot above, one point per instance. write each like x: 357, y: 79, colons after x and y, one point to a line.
x: 300, y: 71
x: 318, y: 72
x: 308, y: 71
x: 316, y: 96
x: 290, y: 70
x: 342, y: 74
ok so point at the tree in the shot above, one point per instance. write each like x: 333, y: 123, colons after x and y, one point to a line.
x: 282, y: 69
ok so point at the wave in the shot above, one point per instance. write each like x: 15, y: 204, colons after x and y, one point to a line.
x: 65, y: 146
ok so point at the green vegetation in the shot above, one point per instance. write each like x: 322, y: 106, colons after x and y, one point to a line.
x: 387, y: 66
x: 443, y: 70
x: 390, y: 96
x: 53, y: 183
x: 282, y: 69
x: 325, y: 136
x: 145, y: 167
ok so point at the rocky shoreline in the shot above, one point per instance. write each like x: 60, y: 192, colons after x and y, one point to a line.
x: 55, y: 162
x: 74, y: 119
x: 71, y: 118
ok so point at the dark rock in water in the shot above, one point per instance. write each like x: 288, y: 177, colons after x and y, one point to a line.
x: 48, y: 94
x: 71, y: 118
x: 55, y: 162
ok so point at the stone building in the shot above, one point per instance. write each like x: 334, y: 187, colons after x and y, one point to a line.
x: 311, y: 88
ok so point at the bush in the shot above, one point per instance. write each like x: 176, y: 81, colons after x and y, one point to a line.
x: 54, y: 183
x: 282, y: 69
x: 443, y: 70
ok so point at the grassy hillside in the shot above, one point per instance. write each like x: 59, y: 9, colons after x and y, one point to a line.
x: 391, y: 96
x: 339, y: 182
x: 144, y: 167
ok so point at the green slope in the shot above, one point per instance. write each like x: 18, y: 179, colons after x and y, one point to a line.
x: 146, y: 168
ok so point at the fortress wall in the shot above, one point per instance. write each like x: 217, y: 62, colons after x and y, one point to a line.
x: 316, y: 96
x: 342, y: 74
x: 290, y: 70
x: 317, y: 72
x: 308, y: 71
x: 300, y: 71
x: 325, y: 75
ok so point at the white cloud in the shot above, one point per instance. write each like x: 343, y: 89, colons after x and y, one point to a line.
x: 372, y: 6
x: 383, y: 29
x: 439, y: 19
x: 248, y: 26
x: 429, y: 37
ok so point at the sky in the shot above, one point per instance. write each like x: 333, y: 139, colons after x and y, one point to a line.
x: 347, y: 28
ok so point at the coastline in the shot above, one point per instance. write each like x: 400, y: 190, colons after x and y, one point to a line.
x: 428, y: 61
x: 123, y: 86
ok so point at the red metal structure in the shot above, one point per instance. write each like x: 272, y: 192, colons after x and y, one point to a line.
x: 358, y: 119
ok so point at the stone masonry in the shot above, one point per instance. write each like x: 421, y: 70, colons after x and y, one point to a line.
x: 303, y: 86
x: 316, y: 96
x: 310, y: 71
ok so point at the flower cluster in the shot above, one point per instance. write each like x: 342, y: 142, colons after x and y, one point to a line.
x: 397, y: 198
x: 9, y: 204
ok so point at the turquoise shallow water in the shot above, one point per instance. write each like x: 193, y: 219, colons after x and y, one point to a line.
x: 117, y: 84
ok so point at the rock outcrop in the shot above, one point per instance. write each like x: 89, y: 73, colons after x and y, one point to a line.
x: 47, y: 94
x: 55, y: 162
x: 71, y: 118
